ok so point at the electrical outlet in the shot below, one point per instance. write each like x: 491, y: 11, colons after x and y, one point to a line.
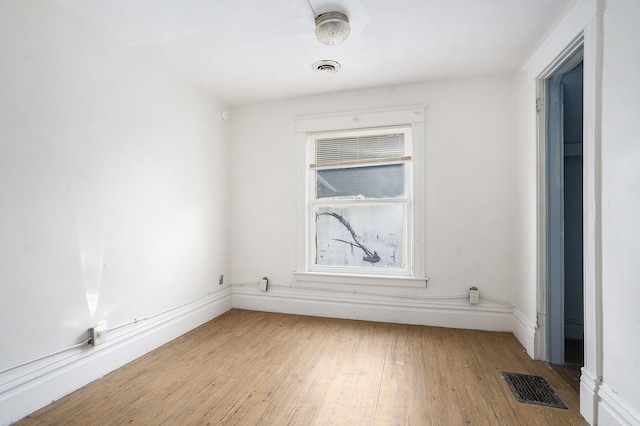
x: 264, y: 282
x: 221, y: 279
x: 98, y: 334
x: 474, y: 296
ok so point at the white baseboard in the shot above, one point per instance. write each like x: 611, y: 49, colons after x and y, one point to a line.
x: 525, y: 332
x: 600, y: 405
x: 418, y: 312
x: 588, y: 395
x: 33, y: 386
x: 612, y: 410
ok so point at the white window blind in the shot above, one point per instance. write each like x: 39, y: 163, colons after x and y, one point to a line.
x: 359, y: 149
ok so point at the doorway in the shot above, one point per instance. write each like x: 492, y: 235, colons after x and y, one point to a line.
x: 564, y: 200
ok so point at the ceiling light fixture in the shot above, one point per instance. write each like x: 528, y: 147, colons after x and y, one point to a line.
x: 332, y: 28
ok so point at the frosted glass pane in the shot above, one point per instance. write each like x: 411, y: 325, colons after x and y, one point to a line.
x: 369, y: 235
x: 386, y: 181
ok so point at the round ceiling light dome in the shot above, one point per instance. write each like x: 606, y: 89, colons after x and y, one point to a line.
x: 326, y: 66
x: 332, y: 28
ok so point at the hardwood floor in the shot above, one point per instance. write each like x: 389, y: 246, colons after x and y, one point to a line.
x: 574, y: 361
x: 249, y: 368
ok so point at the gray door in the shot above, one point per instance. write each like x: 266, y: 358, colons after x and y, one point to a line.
x: 555, y: 220
x: 564, y: 295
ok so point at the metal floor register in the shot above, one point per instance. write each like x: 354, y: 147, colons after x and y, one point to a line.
x: 533, y: 390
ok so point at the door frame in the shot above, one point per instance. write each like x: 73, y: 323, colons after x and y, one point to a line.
x: 549, y: 342
x: 590, y: 37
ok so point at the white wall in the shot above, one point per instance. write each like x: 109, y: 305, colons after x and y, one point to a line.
x: 621, y: 207
x: 117, y: 193
x: 609, y: 392
x: 469, y: 198
x: 114, y: 187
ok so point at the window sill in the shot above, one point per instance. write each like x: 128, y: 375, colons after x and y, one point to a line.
x: 391, y: 281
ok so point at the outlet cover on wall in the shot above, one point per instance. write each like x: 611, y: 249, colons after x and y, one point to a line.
x: 474, y: 296
x: 264, y: 282
x: 98, y: 334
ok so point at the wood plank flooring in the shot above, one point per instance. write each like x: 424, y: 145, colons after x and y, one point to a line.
x: 256, y: 368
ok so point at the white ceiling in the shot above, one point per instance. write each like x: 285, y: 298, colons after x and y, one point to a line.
x: 252, y: 51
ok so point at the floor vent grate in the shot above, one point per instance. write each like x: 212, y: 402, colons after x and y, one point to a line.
x: 533, y: 390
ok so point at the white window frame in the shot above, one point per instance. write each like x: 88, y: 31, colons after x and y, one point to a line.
x: 405, y: 201
x: 414, y: 118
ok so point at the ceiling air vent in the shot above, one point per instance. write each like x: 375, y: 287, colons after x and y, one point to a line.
x: 326, y: 67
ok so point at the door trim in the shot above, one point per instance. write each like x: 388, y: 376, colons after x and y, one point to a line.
x: 565, y: 61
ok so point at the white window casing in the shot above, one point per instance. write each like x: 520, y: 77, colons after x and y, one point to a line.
x: 367, y: 168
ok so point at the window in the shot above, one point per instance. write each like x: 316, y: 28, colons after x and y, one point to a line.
x: 361, y: 198
x: 360, y: 191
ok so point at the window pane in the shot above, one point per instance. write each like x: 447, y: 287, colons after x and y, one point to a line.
x: 369, y: 235
x: 385, y: 181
